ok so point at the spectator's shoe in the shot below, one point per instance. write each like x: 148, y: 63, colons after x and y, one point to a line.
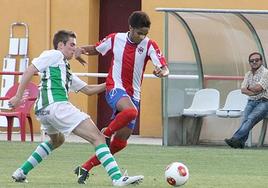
x: 127, y: 180
x: 242, y: 145
x: 107, y: 139
x: 82, y: 175
x: 234, y: 143
x: 238, y: 143
x: 229, y: 142
x: 19, y: 176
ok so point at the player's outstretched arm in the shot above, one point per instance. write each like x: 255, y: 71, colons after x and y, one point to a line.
x: 93, y: 89
x: 86, y: 50
x: 89, y: 50
x: 25, y: 79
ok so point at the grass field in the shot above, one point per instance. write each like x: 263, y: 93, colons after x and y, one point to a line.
x: 210, y: 167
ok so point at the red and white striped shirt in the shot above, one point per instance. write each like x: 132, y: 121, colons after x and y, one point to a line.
x: 129, y: 61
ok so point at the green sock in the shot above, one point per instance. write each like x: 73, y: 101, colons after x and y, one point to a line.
x: 41, y: 152
x: 108, y: 162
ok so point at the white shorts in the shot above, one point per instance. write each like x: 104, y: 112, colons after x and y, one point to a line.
x: 60, y: 117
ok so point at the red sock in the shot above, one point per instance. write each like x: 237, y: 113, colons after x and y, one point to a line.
x: 121, y: 119
x: 117, y: 145
x: 93, y: 161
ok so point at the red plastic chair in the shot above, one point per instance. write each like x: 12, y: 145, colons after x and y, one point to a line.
x: 22, y: 111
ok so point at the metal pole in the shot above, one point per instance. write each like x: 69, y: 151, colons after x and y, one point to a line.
x: 196, y: 10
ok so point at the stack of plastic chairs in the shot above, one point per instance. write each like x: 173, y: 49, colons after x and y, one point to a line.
x: 18, y: 49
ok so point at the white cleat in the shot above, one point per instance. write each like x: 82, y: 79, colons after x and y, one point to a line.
x: 19, y: 176
x: 127, y: 180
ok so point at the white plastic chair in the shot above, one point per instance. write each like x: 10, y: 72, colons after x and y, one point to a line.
x: 205, y: 102
x: 234, y: 105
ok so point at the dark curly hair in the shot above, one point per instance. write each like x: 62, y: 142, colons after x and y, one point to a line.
x: 139, y: 19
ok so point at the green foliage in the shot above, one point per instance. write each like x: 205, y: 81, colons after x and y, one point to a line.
x: 210, y: 167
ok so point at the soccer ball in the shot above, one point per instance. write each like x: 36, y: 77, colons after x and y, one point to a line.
x: 176, y: 174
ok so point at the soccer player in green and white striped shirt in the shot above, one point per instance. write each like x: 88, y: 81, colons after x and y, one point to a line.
x: 57, y: 115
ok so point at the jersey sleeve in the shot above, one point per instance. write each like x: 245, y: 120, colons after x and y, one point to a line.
x: 46, y: 59
x: 105, y: 44
x: 156, y: 55
x: 77, y: 84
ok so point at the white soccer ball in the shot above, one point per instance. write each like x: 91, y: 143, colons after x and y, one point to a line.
x: 176, y: 174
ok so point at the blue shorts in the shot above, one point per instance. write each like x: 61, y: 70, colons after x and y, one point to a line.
x: 113, y: 96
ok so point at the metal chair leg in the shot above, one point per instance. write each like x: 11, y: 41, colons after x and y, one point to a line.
x: 263, y: 133
x: 249, y: 140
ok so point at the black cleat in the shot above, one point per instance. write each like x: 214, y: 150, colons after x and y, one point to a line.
x: 82, y: 175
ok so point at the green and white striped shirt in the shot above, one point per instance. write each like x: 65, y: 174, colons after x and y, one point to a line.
x: 56, y: 78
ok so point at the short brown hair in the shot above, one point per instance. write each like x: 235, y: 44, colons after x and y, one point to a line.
x: 62, y: 36
x: 139, y: 19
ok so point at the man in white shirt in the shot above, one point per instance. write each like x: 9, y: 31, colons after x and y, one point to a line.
x: 255, y: 85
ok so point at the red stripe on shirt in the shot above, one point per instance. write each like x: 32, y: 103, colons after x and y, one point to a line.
x: 160, y: 56
x: 127, y: 67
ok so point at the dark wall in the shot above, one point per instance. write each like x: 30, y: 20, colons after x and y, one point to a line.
x: 113, y: 18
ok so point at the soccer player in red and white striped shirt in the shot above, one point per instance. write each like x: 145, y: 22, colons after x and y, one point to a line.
x: 130, y: 53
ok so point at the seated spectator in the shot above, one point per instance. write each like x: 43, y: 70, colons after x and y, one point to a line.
x: 255, y: 85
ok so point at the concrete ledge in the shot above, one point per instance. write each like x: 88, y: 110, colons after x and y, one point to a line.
x: 134, y: 139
